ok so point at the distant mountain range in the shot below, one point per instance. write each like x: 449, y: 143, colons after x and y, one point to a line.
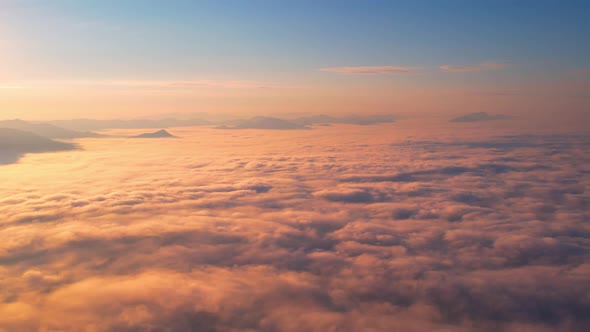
x: 46, y: 130
x: 18, y: 137
x: 90, y: 124
x: 261, y: 122
x: 478, y: 117
x: 351, y: 119
x: 83, y: 128
x: 264, y: 122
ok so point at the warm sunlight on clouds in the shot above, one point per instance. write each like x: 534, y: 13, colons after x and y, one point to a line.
x: 419, y: 225
x: 294, y: 165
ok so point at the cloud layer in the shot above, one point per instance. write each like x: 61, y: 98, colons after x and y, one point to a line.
x: 346, y: 228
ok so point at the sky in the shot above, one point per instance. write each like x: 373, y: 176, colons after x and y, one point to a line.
x: 438, y: 218
x: 104, y: 59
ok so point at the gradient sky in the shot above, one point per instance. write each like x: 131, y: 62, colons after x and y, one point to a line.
x: 94, y: 58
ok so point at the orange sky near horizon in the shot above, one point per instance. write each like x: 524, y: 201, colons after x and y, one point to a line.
x: 53, y: 100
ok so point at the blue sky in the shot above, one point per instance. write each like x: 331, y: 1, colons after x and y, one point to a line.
x: 290, y: 41
x: 251, y: 35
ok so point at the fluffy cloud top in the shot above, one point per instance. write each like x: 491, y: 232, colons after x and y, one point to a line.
x: 346, y: 228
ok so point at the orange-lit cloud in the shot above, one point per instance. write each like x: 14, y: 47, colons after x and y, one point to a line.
x: 343, y: 228
x: 373, y: 70
x: 484, y: 66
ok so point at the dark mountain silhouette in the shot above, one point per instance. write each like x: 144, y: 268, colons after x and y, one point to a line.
x: 46, y: 130
x: 14, y: 143
x: 351, y: 119
x: 262, y: 122
x: 368, y: 119
x: 479, y: 116
x: 315, y: 119
x: 78, y: 128
x: 89, y: 124
x: 204, y: 117
x: 158, y: 134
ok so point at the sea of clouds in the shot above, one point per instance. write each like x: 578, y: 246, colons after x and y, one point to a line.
x: 343, y: 228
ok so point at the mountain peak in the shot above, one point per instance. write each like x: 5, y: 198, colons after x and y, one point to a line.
x: 162, y: 133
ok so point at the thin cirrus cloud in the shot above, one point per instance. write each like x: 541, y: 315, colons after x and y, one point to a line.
x: 406, y: 70
x: 483, y: 66
x: 373, y: 70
